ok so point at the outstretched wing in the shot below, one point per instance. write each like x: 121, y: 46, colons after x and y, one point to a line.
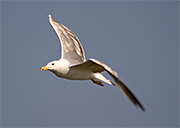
x: 97, y: 67
x: 71, y: 48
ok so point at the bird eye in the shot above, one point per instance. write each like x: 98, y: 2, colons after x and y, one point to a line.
x: 52, y: 63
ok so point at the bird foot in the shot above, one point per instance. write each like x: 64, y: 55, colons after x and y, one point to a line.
x: 97, y: 82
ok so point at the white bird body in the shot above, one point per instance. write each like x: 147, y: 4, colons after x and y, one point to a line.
x: 65, y: 71
x: 84, y: 74
x: 73, y: 65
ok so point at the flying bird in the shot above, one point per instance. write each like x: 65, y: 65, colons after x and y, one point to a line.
x: 73, y: 65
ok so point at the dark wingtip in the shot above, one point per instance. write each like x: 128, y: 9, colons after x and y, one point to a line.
x: 129, y: 94
x: 141, y: 107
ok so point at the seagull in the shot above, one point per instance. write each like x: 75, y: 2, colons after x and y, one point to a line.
x: 73, y: 65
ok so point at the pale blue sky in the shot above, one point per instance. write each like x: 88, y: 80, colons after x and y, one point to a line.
x: 140, y: 40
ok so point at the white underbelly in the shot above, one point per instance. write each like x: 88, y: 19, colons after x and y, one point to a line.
x: 79, y: 75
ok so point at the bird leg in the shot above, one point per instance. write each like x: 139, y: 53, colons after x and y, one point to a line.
x: 97, y: 82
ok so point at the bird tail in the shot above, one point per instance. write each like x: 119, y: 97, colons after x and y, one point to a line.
x: 102, y: 78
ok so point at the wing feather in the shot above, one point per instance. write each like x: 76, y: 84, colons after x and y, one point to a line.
x: 71, y: 48
x: 120, y: 84
x: 98, y: 67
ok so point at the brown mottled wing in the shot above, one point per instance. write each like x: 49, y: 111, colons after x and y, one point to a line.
x: 97, y: 66
x: 71, y: 48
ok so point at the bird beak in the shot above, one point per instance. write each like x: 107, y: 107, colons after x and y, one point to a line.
x: 44, y: 68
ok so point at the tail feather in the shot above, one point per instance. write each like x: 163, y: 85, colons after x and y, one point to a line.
x: 102, y: 78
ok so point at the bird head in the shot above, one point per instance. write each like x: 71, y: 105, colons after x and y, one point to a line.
x: 50, y: 66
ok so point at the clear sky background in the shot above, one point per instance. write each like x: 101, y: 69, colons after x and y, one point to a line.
x: 139, y: 40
